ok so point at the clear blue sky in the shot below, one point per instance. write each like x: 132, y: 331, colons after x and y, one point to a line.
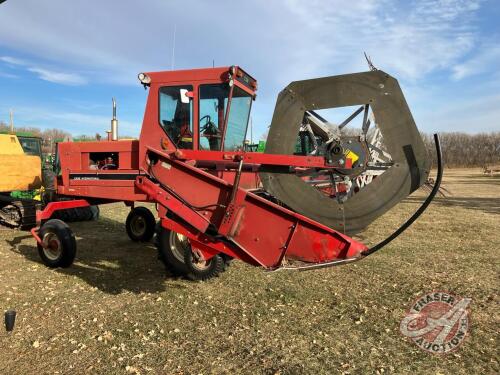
x: 62, y: 61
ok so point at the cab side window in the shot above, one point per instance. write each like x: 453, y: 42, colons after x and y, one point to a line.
x: 176, y: 117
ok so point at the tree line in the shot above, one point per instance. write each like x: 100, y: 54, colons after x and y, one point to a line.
x: 462, y: 150
x: 459, y: 149
x: 49, y: 136
x: 36, y: 132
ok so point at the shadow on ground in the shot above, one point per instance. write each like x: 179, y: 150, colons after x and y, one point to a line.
x: 107, y: 259
x: 488, y: 205
x: 479, y: 180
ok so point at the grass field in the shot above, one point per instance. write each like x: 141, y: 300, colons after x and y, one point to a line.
x: 116, y: 311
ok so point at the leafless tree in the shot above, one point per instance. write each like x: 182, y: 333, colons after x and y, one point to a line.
x: 466, y: 150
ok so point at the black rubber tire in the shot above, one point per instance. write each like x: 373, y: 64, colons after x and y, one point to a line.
x: 70, y: 215
x: 61, y: 215
x: 184, y: 267
x: 95, y: 213
x: 149, y: 224
x: 66, y: 247
x: 216, y: 265
x: 173, y: 265
x: 227, y: 260
x: 82, y: 213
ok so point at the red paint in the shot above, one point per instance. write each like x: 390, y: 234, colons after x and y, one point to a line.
x: 52, y: 207
x: 197, y: 185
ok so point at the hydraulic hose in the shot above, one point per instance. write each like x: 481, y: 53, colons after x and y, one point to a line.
x: 421, y: 209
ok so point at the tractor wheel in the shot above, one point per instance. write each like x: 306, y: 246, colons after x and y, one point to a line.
x: 95, y: 212
x: 60, y: 243
x: 199, y: 269
x: 227, y: 260
x: 82, y: 214
x: 140, y: 224
x: 171, y: 248
x: 176, y: 253
x: 70, y: 215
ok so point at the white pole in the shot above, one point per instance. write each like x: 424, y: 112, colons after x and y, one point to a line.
x: 11, y: 114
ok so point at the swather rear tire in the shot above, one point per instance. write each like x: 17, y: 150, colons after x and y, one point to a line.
x: 61, y: 250
x: 140, y: 224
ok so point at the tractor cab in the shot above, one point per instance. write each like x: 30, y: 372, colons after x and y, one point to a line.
x: 31, y: 145
x: 199, y: 110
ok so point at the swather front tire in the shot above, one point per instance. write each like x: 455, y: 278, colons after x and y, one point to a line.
x: 177, y: 255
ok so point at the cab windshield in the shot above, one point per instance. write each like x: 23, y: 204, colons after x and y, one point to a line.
x: 237, y: 120
x: 31, y: 146
x: 212, y: 110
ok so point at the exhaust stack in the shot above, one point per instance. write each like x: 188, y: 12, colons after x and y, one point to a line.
x: 113, y: 134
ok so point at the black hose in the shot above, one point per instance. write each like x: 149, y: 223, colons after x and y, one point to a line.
x: 421, y: 209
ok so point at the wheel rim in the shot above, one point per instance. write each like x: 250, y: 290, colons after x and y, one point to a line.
x: 138, y: 226
x: 179, y: 244
x: 198, y: 262
x: 53, y: 247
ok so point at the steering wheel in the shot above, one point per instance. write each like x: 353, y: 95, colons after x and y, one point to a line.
x: 209, y: 129
x: 108, y: 166
x: 208, y: 121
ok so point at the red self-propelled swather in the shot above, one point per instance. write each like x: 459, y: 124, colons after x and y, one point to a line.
x: 216, y: 200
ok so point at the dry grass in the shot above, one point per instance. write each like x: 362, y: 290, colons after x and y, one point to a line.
x: 115, y: 310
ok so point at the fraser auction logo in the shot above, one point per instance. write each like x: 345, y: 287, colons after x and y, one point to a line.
x: 437, y: 322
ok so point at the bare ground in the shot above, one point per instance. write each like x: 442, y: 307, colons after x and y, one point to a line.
x: 117, y: 311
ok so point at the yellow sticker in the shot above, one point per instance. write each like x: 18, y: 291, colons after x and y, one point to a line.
x: 351, y: 155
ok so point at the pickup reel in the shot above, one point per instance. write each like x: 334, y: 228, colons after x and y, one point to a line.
x: 382, y: 173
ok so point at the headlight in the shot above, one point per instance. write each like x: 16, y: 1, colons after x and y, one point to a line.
x: 144, y: 78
